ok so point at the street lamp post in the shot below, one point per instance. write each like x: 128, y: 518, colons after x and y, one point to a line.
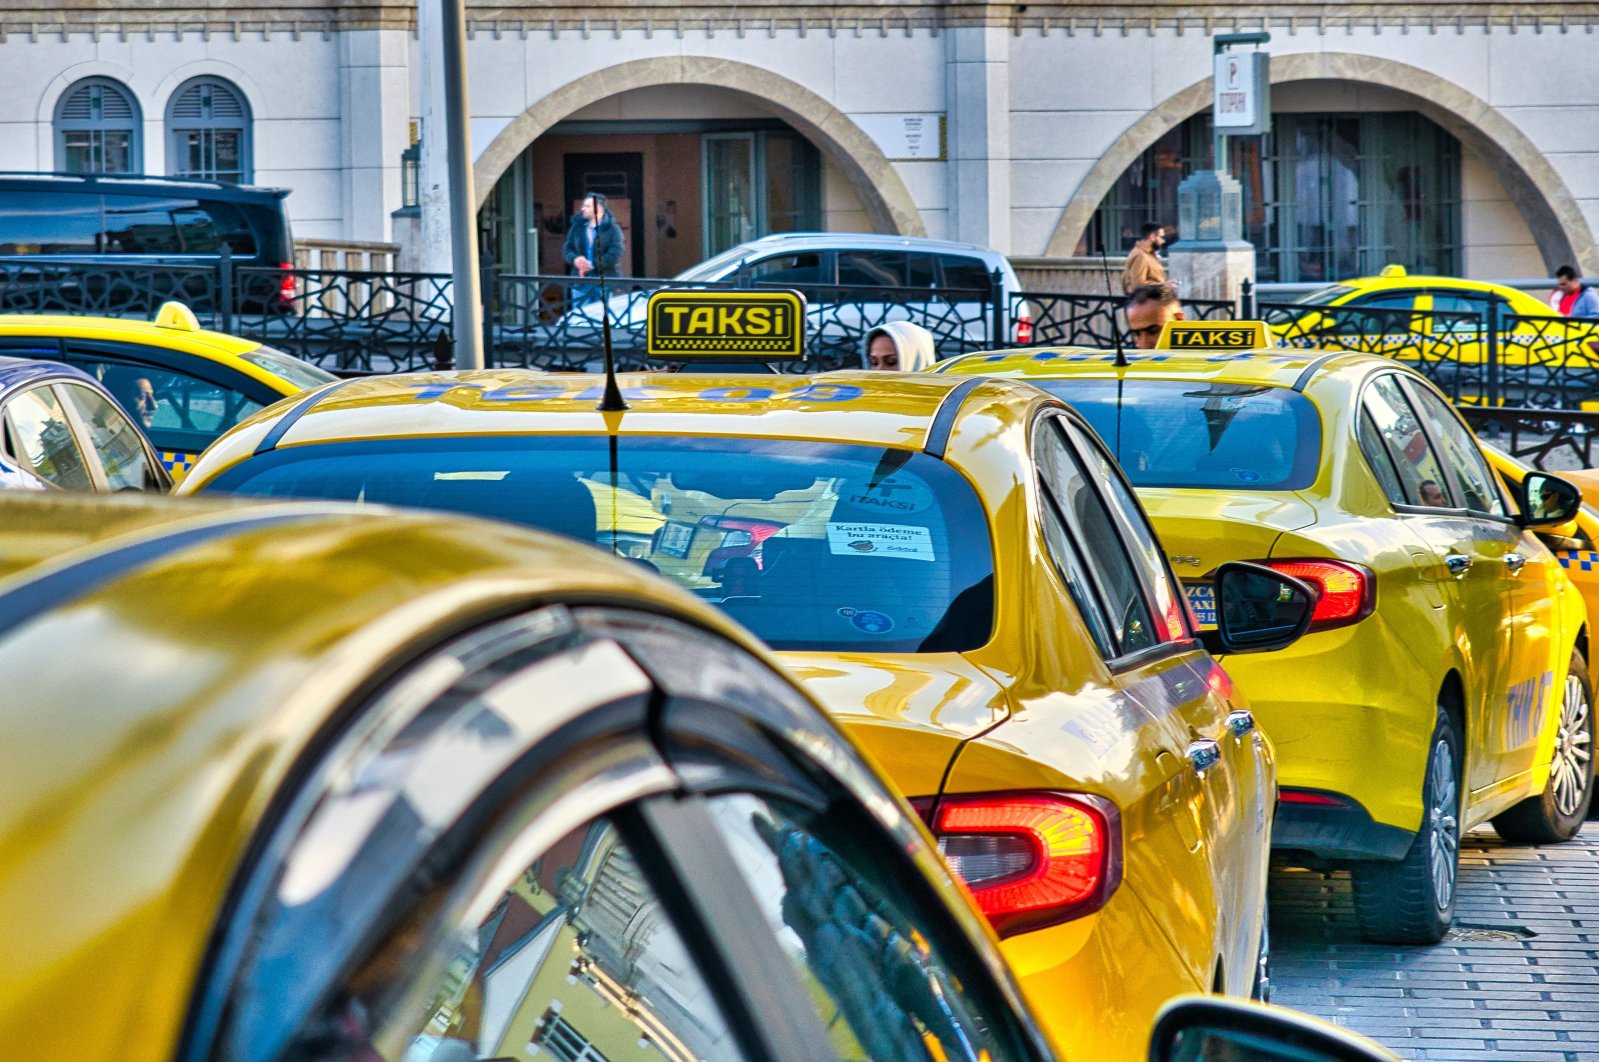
x: 466, y: 293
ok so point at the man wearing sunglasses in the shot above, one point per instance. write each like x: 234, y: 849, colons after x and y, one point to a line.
x: 1149, y: 307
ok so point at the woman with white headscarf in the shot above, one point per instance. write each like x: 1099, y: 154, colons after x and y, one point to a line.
x: 898, y: 346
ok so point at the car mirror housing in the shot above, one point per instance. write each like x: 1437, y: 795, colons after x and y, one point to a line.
x: 1196, y: 1028
x: 1258, y: 610
x: 1547, y: 501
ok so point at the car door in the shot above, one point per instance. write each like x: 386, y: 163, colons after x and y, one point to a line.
x: 1531, y: 581
x: 1189, y: 854
x: 1465, y: 547
x: 40, y: 433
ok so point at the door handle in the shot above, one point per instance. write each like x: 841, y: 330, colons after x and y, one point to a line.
x: 1515, y: 562
x: 1458, y: 563
x: 1203, y: 755
x: 1240, y: 722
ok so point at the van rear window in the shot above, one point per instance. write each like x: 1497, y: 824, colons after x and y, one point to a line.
x: 86, y: 223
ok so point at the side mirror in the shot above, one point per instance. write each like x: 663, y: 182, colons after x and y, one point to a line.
x: 1258, y: 609
x: 1201, y: 1028
x: 1548, y: 500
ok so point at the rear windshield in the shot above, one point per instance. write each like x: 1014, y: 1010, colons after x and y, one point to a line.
x: 810, y: 545
x: 1176, y: 433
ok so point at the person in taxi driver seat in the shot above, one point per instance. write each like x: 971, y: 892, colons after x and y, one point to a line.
x: 898, y: 346
x: 1149, y: 307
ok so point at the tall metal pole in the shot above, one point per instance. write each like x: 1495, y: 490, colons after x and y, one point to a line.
x: 467, y: 295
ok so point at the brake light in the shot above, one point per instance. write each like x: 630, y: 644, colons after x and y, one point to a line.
x: 288, y: 286
x: 740, y: 538
x: 1032, y: 859
x: 1348, y: 591
x: 1310, y: 798
x: 1024, y: 330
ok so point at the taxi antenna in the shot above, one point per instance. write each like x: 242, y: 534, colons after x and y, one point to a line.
x: 611, y: 401
x: 1110, y: 294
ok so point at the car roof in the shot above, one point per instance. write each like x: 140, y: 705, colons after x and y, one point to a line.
x: 1280, y: 366
x: 169, y: 662
x: 123, y: 329
x: 137, y: 183
x: 870, y: 241
x: 870, y: 408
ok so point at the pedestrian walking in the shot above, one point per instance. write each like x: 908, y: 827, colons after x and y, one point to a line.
x: 594, y: 244
x: 1142, y: 265
x: 1571, y: 298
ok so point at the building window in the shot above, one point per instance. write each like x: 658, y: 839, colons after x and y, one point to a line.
x: 1330, y: 196
x: 97, y: 129
x: 758, y: 183
x: 208, y: 131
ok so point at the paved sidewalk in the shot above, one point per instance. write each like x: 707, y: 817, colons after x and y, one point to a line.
x: 1489, y: 992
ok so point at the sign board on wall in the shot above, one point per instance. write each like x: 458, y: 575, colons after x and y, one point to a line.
x: 907, y: 137
x: 1241, y: 103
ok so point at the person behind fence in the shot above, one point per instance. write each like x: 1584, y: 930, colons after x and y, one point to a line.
x: 1142, y: 265
x: 1149, y: 307
x: 594, y: 245
x: 1571, y: 298
x: 898, y: 346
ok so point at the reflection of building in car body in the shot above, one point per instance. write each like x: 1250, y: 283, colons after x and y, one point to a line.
x: 957, y: 571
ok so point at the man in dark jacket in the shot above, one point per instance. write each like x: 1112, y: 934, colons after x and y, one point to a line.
x: 594, y: 246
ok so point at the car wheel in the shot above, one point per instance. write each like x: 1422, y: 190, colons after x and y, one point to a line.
x: 1260, y: 991
x: 1558, y: 813
x: 1413, y: 901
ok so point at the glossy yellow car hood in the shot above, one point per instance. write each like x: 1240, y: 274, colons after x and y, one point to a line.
x: 910, y: 712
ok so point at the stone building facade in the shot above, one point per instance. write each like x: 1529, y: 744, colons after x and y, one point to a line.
x: 1039, y: 129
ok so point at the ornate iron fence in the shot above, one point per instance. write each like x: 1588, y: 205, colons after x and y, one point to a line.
x: 28, y: 285
x: 1544, y: 361
x: 1543, y: 438
x: 1067, y: 320
x: 351, y: 321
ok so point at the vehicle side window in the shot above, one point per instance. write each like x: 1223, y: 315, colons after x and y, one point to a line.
x: 889, y: 982
x: 1459, y: 302
x: 1407, y: 445
x: 50, y: 223
x: 114, y: 439
x: 1460, y: 453
x: 963, y: 272
x: 1382, y: 465
x: 145, y: 225
x: 800, y: 268
x: 41, y: 432
x: 1088, y: 522
x: 1393, y: 300
x: 869, y: 269
x: 187, y: 413
x: 1135, y: 525
x: 572, y: 957
x: 919, y: 271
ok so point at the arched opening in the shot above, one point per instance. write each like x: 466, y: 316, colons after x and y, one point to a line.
x: 695, y: 156
x: 1371, y: 161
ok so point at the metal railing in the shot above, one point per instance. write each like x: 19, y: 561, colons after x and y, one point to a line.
x: 1068, y: 320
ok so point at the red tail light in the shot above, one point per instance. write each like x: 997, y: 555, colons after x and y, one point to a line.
x: 1032, y: 859
x: 288, y: 287
x: 740, y: 538
x: 1024, y: 330
x: 1311, y: 798
x: 1348, y: 591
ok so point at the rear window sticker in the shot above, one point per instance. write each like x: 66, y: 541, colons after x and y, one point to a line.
x: 868, y: 621
x: 880, y: 540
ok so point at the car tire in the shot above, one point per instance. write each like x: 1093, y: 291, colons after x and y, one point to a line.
x: 1260, y: 989
x: 1412, y: 901
x: 1558, y: 812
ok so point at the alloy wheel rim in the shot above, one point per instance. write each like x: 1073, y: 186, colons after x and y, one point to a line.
x: 1573, y: 759
x: 1445, y: 825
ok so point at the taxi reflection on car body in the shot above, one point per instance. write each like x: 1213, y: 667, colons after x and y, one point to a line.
x: 956, y: 570
x: 1443, y: 683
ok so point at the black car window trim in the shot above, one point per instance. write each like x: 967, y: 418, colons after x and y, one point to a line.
x: 1411, y: 388
x: 1432, y: 445
x: 1121, y: 660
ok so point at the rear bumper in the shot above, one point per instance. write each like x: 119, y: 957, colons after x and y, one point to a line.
x: 1342, y: 831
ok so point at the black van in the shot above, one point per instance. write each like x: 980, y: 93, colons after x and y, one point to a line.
x: 176, y: 226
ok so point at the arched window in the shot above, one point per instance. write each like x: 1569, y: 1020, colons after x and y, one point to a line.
x: 97, y: 128
x: 208, y: 131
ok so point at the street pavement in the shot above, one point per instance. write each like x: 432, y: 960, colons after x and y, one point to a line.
x: 1516, y: 980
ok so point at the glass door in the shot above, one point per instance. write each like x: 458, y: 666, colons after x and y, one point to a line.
x: 730, y: 207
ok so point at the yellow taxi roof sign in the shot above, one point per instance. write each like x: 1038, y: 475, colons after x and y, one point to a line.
x: 176, y: 315
x: 1214, y: 335
x: 726, y: 325
x: 1393, y: 271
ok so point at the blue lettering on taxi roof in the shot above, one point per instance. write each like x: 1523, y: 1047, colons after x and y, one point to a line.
x: 430, y: 390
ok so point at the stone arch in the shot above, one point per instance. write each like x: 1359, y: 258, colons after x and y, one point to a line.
x: 1551, y: 212
x: 882, y: 191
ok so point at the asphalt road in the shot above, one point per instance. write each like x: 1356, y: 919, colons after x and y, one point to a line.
x: 1518, y: 979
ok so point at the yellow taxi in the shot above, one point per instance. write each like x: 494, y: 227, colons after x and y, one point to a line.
x: 1443, y: 683
x: 955, y: 569
x: 184, y: 384
x: 350, y: 785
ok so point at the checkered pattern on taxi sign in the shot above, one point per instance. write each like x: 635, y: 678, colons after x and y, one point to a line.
x: 1583, y: 559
